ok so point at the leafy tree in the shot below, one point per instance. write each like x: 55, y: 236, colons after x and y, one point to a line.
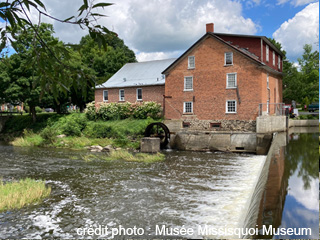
x: 49, y: 60
x: 309, y: 77
x: 99, y: 64
x: 20, y: 73
x: 301, y: 84
x: 105, y: 62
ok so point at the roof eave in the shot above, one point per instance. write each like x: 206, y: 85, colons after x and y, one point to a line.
x: 131, y: 86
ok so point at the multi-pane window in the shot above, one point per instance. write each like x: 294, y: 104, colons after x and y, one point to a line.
x: 231, y: 80
x: 231, y: 106
x: 279, y: 61
x: 105, y: 95
x: 191, y: 62
x: 139, y: 93
x: 228, y: 58
x: 187, y: 107
x: 188, y: 83
x: 267, y: 53
x: 121, y: 95
x: 274, y: 58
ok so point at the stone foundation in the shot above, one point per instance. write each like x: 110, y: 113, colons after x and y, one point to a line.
x: 219, y: 125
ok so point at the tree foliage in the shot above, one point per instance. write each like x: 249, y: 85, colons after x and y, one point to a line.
x: 105, y: 62
x: 301, y: 80
x: 49, y: 59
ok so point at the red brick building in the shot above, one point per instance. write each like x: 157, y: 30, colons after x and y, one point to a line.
x: 135, y: 82
x: 222, y: 79
x: 217, y: 83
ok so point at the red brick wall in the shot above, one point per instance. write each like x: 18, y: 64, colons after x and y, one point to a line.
x: 253, y: 44
x: 274, y: 92
x: 149, y: 93
x: 270, y: 63
x: 209, y: 85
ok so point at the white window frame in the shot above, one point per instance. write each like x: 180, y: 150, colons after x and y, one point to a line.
x: 184, y: 107
x: 228, y: 81
x: 139, y: 99
x: 185, y: 83
x: 105, y: 91
x: 225, y: 59
x: 194, y: 62
x: 274, y: 58
x: 267, y: 53
x: 235, y: 101
x: 279, y: 61
x: 120, y: 98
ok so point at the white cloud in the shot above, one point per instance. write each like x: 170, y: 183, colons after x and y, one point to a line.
x: 173, y: 25
x: 307, y: 197
x: 302, y: 29
x: 144, y: 56
x: 156, y: 28
x: 296, y: 3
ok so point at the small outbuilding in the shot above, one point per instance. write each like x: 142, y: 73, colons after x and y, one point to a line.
x: 135, y: 82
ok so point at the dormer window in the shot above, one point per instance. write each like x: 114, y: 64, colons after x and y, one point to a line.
x: 279, y: 61
x: 267, y: 53
x: 191, y: 62
x: 274, y: 58
x: 228, y: 58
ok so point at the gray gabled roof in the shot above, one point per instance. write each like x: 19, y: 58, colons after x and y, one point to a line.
x: 139, y: 74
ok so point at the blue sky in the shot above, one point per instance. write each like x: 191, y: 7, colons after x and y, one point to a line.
x: 159, y: 29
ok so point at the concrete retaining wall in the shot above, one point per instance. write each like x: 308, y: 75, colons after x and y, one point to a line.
x: 270, y: 124
x: 303, y: 123
x: 211, y: 141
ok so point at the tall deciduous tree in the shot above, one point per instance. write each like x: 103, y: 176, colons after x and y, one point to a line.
x: 301, y: 82
x: 21, y: 73
x: 105, y: 62
x: 52, y: 72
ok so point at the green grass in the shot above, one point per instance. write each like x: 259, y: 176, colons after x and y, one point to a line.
x: 15, y: 195
x: 125, y: 155
x: 308, y: 117
x: 139, y: 157
x: 79, y: 130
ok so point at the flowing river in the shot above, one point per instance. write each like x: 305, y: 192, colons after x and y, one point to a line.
x: 188, y: 189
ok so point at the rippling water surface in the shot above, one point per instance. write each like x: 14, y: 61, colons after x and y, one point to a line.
x: 187, y: 189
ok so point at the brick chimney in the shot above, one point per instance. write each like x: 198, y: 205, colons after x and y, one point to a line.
x: 210, y: 27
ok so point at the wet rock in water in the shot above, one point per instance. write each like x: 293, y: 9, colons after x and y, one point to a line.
x: 107, y: 148
x: 95, y: 148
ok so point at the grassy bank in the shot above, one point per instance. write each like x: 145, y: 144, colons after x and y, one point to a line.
x: 126, y: 156
x: 74, y: 131
x: 16, y: 195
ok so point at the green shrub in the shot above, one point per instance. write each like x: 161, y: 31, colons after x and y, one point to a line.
x: 49, y: 134
x: 73, y: 124
x: 117, y: 111
x: 147, y: 109
x: 97, y: 130
x: 90, y: 111
x: 38, y: 110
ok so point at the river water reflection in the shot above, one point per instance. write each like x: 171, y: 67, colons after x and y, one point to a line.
x: 188, y: 189
x: 291, y: 198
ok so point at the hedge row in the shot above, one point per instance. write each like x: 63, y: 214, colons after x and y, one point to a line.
x: 117, y: 111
